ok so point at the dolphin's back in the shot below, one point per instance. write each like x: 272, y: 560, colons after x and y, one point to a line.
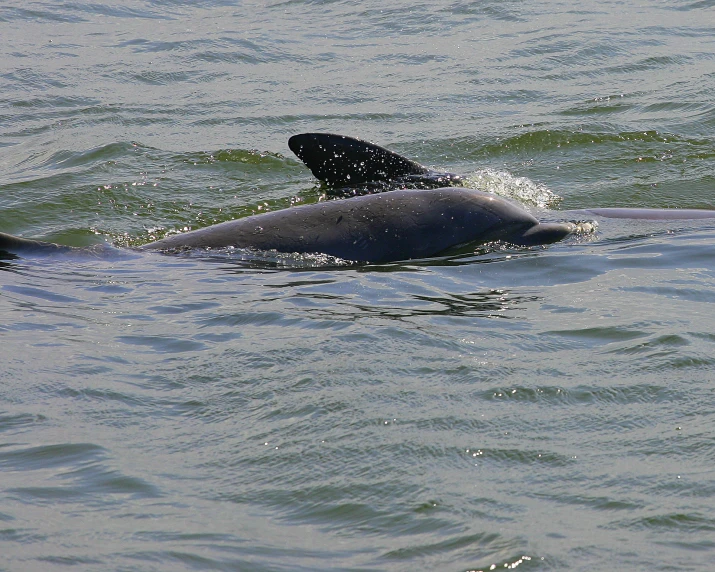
x: 396, y: 225
x: 17, y: 245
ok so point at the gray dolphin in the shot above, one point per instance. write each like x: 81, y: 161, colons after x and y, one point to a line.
x: 415, y: 222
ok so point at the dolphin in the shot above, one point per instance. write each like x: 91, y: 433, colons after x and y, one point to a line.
x: 387, y: 224
x: 385, y: 227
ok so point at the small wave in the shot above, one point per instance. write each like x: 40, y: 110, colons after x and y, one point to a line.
x: 248, y: 156
x: 550, y: 139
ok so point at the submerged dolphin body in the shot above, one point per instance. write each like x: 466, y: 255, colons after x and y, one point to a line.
x: 415, y: 222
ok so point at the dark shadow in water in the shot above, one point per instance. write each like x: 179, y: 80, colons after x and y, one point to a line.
x: 497, y: 303
x: 488, y: 303
x: 8, y: 262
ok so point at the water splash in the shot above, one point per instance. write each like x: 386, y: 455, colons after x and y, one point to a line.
x: 507, y: 185
x: 255, y: 258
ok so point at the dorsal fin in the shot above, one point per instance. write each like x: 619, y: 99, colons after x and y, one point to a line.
x: 341, y: 160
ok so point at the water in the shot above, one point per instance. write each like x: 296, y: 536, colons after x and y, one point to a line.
x: 546, y: 409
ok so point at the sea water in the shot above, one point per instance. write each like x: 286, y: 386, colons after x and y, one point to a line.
x: 545, y: 408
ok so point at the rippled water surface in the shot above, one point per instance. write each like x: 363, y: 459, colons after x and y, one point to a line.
x: 546, y: 408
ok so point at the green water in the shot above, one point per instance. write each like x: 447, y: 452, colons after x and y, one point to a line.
x: 546, y: 408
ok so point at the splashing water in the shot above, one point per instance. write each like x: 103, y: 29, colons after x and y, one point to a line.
x: 507, y: 185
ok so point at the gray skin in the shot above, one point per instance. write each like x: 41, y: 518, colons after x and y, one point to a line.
x: 397, y: 225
